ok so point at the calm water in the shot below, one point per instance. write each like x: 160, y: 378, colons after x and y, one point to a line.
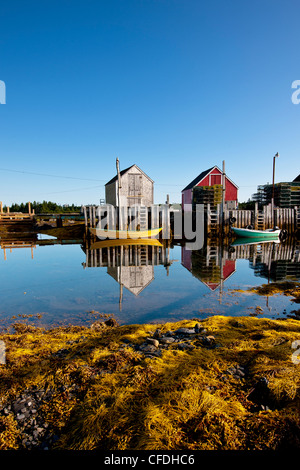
x: 68, y: 283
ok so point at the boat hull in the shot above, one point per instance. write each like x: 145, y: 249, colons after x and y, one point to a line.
x: 127, y: 242
x: 261, y: 234
x: 253, y: 241
x: 125, y: 234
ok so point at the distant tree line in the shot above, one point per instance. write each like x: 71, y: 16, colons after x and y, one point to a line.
x: 247, y: 205
x: 44, y: 207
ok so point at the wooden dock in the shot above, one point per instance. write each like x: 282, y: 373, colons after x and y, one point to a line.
x: 259, y: 219
x: 7, y: 217
x: 129, y: 218
x: 216, y: 223
x: 16, y: 221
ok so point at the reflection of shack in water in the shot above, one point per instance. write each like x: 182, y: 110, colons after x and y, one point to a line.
x: 276, y: 262
x: 212, y: 265
x: 131, y: 265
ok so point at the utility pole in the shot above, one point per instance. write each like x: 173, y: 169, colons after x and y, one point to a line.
x: 119, y: 180
x: 223, y: 193
x: 119, y: 203
x: 273, y: 188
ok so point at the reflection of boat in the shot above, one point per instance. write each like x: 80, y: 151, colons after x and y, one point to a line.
x: 126, y: 234
x: 127, y: 242
x: 269, y: 234
x: 253, y: 241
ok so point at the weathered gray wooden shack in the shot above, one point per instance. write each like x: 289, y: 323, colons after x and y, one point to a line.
x: 136, y: 188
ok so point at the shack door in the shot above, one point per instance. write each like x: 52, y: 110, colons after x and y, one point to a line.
x: 135, y: 189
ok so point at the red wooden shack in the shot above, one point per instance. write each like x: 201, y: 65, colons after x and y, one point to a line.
x: 211, y: 178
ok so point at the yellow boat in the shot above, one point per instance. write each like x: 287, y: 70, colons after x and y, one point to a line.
x: 125, y: 234
x: 127, y: 242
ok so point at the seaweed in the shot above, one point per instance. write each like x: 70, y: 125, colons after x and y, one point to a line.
x: 235, y: 387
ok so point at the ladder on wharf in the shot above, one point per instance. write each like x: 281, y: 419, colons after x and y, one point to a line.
x: 213, y: 222
x: 260, y: 220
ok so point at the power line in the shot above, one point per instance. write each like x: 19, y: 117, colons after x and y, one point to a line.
x: 77, y: 189
x: 93, y: 179
x: 52, y: 176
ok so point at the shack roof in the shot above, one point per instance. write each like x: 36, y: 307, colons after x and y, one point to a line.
x: 202, y: 176
x: 115, y: 178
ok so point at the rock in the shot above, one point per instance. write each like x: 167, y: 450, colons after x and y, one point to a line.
x: 237, y: 371
x: 156, y: 353
x: 61, y: 353
x: 165, y: 340
x: 200, y: 329
x: 185, y: 331
x: 147, y: 348
x: 186, y: 346
x: 258, y: 309
x: 153, y: 341
x: 157, y: 333
x: 111, y: 322
x: 98, y: 325
x: 237, y: 324
x: 208, y: 339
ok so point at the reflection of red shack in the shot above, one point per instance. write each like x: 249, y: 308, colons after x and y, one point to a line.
x: 206, y: 268
x: 207, y: 187
x: 228, y: 269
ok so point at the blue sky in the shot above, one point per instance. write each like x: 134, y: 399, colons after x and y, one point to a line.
x: 175, y: 86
